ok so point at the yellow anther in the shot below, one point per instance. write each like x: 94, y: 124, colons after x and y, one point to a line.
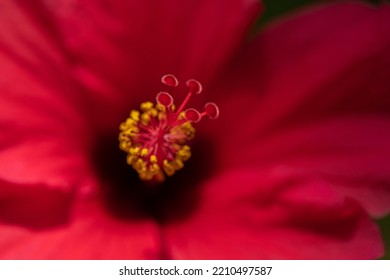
x: 122, y: 126
x: 145, y: 117
x: 184, y: 153
x: 181, y: 115
x: 153, y: 159
x: 130, y: 122
x: 134, y: 114
x: 124, y: 146
x: 139, y: 164
x: 144, y: 152
x: 154, y: 167
x: 130, y: 159
x: 168, y: 168
x: 153, y: 112
x: 188, y: 129
x: 134, y: 151
x: 146, y: 106
x: 160, y: 107
x: 122, y: 137
x: 178, y: 164
x: 161, y: 116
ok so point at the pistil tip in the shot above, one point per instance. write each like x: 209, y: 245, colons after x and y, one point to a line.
x: 194, y: 86
x: 211, y: 110
x: 192, y: 115
x: 164, y: 98
x: 170, y: 80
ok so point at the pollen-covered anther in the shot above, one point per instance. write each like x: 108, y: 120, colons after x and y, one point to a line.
x: 156, y: 138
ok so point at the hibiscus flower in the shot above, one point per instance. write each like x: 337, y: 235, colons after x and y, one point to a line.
x: 293, y: 168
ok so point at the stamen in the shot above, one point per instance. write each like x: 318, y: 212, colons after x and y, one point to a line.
x: 156, y: 138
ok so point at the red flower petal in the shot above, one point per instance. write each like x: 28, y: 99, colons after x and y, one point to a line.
x: 44, y: 137
x: 91, y: 234
x: 320, y: 99
x: 33, y: 206
x: 351, y: 153
x: 49, y: 160
x: 330, y: 61
x: 122, y: 50
x: 273, y: 214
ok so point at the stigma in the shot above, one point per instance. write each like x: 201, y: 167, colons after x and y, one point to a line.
x: 156, y: 138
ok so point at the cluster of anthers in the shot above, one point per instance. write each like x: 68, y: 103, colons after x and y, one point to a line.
x: 156, y: 137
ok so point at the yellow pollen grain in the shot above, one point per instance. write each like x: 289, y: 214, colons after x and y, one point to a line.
x: 154, y: 167
x: 153, y: 159
x: 178, y: 164
x: 181, y: 115
x: 130, y: 159
x: 153, y: 112
x: 169, y: 168
x: 184, y: 153
x: 146, y: 106
x: 134, y: 150
x: 160, y: 107
x: 144, y: 152
x: 124, y: 146
x: 145, y: 118
x: 134, y: 115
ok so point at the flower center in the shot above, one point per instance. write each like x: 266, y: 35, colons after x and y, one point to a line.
x: 156, y: 138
